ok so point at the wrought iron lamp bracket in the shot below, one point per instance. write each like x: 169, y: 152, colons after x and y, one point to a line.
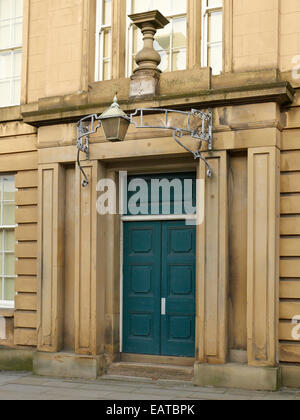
x: 85, y: 127
x: 203, y: 132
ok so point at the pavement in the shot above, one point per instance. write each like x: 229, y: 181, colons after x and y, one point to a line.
x: 26, y: 386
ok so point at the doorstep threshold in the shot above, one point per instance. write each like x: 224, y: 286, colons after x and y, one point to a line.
x: 154, y: 359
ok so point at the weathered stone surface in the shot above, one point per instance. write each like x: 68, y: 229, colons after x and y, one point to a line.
x: 67, y: 365
x: 143, y: 87
x: 15, y: 360
x: 233, y: 375
x: 290, y: 374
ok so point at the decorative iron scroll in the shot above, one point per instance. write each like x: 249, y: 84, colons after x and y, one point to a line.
x: 202, y: 131
x: 197, y: 124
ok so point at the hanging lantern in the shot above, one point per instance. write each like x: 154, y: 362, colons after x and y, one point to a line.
x: 114, y: 122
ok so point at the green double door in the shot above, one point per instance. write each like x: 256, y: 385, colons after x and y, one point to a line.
x: 159, y: 288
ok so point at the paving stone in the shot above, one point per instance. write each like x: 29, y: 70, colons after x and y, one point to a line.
x: 30, y: 380
x: 208, y: 390
x: 123, y: 396
x: 5, y: 378
x: 25, y: 386
x: 243, y: 392
x: 19, y: 396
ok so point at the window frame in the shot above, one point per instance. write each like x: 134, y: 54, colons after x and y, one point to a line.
x: 6, y: 304
x: 12, y: 50
x: 129, y: 38
x: 206, y: 11
x: 99, y: 43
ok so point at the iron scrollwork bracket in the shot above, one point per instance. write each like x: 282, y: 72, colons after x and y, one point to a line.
x: 202, y: 131
x: 85, y: 127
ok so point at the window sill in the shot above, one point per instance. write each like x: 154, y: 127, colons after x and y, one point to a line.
x: 10, y: 113
x: 7, y: 312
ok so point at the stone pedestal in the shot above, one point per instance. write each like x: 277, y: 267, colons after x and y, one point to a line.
x: 145, y: 79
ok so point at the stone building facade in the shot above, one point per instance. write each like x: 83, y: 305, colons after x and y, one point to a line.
x: 62, y: 302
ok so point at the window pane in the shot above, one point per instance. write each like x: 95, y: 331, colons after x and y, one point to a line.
x: 106, y: 44
x: 17, y: 63
x: 5, y: 35
x: 215, y: 58
x: 9, y: 265
x: 16, y: 92
x: 215, y: 3
x: 18, y: 8
x: 17, y: 32
x: 179, y: 60
x: 5, y: 65
x: 215, y: 27
x: 4, y: 93
x: 179, y: 33
x: 162, y: 39
x: 9, y: 289
x: 163, y: 6
x: 106, y: 70
x: 178, y: 6
x: 9, y: 187
x: 165, y: 61
x: 140, y: 6
x: 9, y: 240
x: 106, y: 12
x: 5, y: 9
x: 8, y: 214
x: 166, y: 7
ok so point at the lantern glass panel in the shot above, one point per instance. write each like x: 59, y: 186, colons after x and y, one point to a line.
x: 115, y: 129
x: 124, y: 124
x: 110, y: 127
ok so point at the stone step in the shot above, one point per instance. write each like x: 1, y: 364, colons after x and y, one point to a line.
x: 154, y: 371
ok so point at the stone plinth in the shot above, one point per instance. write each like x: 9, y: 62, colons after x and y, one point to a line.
x: 145, y: 78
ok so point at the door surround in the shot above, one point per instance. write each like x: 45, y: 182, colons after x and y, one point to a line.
x: 168, y: 168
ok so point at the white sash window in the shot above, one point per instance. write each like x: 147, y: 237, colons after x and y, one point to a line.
x: 103, y: 40
x: 7, y: 241
x: 212, y: 35
x: 11, y: 19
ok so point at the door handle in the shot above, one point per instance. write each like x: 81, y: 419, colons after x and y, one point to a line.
x: 163, y: 306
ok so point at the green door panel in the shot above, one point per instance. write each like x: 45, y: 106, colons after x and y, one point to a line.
x: 178, y: 287
x: 141, y: 287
